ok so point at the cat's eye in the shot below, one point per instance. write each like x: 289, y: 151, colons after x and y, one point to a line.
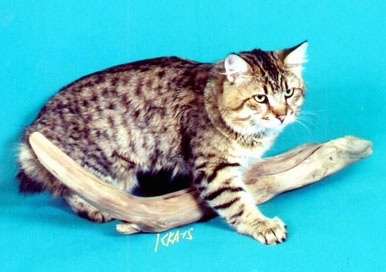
x: 289, y: 92
x: 260, y: 98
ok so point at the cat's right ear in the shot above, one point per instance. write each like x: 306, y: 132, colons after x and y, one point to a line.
x: 295, y: 57
x: 236, y: 68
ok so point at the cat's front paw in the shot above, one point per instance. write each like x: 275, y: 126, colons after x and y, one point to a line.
x: 268, y: 231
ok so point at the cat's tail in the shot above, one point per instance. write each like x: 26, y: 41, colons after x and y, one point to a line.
x: 33, y: 177
x: 28, y: 185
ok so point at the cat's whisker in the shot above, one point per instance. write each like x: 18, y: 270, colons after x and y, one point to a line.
x: 306, y: 120
x: 302, y: 125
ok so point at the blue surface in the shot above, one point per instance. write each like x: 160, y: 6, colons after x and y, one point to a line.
x: 335, y: 225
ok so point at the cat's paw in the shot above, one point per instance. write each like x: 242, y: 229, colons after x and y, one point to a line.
x: 128, y: 228
x: 269, y: 231
x: 94, y: 215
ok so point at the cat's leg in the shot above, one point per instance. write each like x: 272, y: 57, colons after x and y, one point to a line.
x: 34, y: 177
x: 125, y: 180
x: 85, y: 209
x: 222, y: 187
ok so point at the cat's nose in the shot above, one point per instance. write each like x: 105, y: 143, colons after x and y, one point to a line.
x: 280, y: 112
x: 281, y: 118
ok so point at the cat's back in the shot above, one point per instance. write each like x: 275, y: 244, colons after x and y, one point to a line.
x: 149, y: 96
x: 147, y: 79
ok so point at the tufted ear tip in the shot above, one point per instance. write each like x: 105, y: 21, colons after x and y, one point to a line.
x: 295, y: 57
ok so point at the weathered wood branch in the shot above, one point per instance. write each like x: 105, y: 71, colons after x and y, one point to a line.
x: 267, y: 178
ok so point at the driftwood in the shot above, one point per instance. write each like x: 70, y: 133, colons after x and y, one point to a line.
x: 267, y: 178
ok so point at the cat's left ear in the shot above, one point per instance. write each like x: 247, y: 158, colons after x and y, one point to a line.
x: 236, y: 68
x: 294, y: 57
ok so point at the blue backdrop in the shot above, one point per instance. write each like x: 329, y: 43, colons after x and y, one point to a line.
x: 336, y: 225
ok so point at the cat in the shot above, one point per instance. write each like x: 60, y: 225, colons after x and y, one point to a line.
x: 207, y: 121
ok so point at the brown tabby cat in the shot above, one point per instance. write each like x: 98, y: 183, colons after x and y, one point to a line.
x: 205, y: 121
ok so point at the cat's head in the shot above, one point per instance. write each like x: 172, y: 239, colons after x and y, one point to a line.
x: 263, y: 90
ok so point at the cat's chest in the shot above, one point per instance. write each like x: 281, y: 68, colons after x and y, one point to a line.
x: 246, y: 155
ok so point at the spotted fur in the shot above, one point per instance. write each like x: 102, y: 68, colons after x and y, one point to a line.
x: 203, y: 121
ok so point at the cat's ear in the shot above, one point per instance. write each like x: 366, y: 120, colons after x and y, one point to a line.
x: 236, y: 68
x: 294, y: 58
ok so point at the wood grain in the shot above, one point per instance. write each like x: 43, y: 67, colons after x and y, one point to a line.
x: 267, y: 178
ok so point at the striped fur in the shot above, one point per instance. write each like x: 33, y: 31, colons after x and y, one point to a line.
x: 170, y: 115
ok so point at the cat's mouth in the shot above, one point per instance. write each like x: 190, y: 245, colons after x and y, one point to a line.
x: 255, y: 124
x: 272, y: 125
